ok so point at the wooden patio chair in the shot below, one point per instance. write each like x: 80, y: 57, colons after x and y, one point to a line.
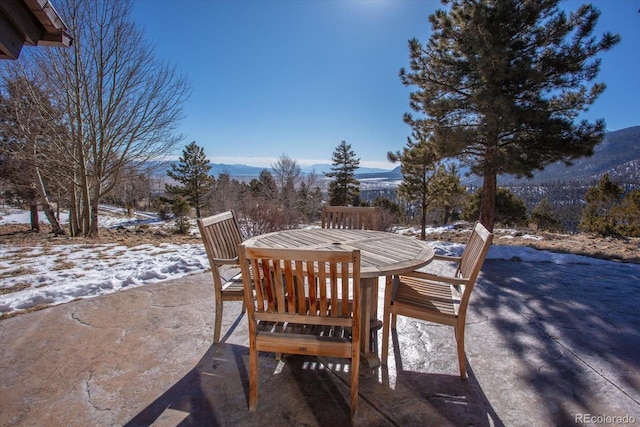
x: 435, y: 298
x: 221, y: 236
x: 351, y: 217
x: 302, y: 301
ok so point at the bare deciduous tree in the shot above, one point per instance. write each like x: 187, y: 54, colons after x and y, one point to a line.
x: 287, y: 174
x: 29, y: 126
x: 121, y: 103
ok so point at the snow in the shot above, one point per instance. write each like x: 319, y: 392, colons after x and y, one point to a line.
x: 56, y: 274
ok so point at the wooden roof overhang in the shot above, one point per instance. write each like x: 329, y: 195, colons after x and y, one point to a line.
x: 31, y: 23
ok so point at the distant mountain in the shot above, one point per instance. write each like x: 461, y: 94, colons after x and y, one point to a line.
x: 235, y: 170
x: 320, y: 169
x: 618, y: 155
x: 391, y: 175
x: 247, y: 172
x: 254, y: 171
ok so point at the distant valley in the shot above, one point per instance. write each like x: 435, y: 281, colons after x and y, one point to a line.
x: 245, y: 171
x: 618, y: 154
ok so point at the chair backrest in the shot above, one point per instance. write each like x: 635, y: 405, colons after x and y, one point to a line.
x: 221, y: 235
x: 351, y: 217
x: 302, y: 286
x: 473, y: 257
x: 475, y: 252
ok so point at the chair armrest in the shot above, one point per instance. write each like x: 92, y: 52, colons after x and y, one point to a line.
x: 447, y: 258
x: 436, y: 278
x: 225, y: 261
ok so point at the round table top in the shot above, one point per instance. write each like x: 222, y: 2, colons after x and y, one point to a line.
x: 381, y: 253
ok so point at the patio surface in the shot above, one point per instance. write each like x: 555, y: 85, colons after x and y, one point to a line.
x: 546, y: 345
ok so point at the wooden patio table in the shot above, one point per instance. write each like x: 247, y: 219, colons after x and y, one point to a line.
x: 382, y: 254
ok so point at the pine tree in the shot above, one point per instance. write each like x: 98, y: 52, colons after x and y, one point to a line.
x: 543, y: 216
x: 596, y: 215
x: 627, y: 214
x: 180, y: 210
x: 309, y: 198
x: 501, y: 82
x: 264, y: 186
x: 418, y: 164
x: 510, y: 210
x: 192, y: 171
x: 447, y: 191
x: 344, y: 189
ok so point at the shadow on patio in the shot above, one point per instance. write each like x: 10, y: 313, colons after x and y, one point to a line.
x: 568, y: 334
x: 309, y: 391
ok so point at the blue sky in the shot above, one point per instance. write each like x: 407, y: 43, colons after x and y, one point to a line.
x: 297, y: 77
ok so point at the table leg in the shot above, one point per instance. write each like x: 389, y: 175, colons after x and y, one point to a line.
x: 367, y: 300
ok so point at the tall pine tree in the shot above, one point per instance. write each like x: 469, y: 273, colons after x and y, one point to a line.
x: 501, y: 82
x: 192, y: 171
x: 344, y: 189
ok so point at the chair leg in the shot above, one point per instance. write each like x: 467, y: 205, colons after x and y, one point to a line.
x: 253, y: 375
x: 385, y: 320
x: 355, y: 375
x: 218, y: 321
x: 459, y: 331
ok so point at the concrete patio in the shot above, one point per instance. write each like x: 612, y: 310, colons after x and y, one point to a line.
x: 546, y: 345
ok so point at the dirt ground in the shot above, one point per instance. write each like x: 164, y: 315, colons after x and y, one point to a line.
x: 591, y: 245
x: 616, y: 249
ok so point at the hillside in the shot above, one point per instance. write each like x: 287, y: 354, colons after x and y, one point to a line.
x: 565, y: 186
x: 618, y: 154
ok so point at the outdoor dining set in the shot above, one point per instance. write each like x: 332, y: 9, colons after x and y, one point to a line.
x: 314, y: 291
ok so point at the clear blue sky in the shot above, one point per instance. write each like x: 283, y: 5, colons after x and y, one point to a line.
x: 296, y: 77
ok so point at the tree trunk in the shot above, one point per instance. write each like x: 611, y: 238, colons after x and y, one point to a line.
x: 423, y: 218
x: 93, y: 231
x: 85, y: 205
x: 446, y: 215
x: 41, y: 193
x: 35, y: 222
x: 95, y: 203
x: 488, y: 202
x: 489, y: 184
x: 74, y: 225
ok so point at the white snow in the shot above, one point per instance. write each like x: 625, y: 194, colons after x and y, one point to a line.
x: 56, y: 274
